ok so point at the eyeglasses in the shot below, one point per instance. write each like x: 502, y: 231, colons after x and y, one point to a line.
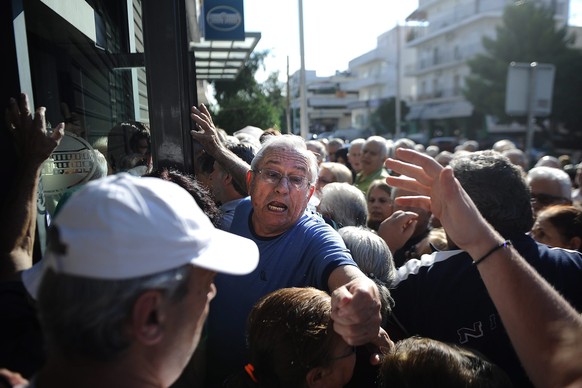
x: 351, y: 351
x: 273, y: 177
x: 547, y: 199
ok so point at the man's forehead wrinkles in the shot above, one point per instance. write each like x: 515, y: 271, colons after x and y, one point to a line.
x: 298, y: 162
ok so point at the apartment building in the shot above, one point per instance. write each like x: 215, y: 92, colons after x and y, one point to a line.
x: 328, y: 100
x: 379, y: 74
x: 453, y: 34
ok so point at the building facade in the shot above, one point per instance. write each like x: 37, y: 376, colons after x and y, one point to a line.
x: 328, y: 101
x: 380, y: 75
x: 453, y: 34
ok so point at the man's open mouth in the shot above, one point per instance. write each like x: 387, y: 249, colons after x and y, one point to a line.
x: 277, y: 207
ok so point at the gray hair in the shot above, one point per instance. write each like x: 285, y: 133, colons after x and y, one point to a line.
x: 379, y: 140
x: 339, y: 171
x: 83, y: 317
x: 358, y: 141
x: 497, y: 188
x: 370, y: 252
x: 344, y: 203
x: 517, y: 157
x: 101, y: 166
x: 288, y: 142
x: 375, y: 260
x: 554, y: 175
x: 321, y: 152
x: 404, y: 143
x: 336, y: 141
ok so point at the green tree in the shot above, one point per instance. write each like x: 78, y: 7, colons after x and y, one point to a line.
x: 528, y: 33
x: 245, y: 102
x: 383, y: 119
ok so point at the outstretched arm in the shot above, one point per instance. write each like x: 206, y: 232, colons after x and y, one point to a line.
x: 355, y: 310
x: 529, y: 307
x: 34, y: 146
x: 207, y: 135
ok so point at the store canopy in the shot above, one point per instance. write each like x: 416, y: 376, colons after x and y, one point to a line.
x: 222, y: 59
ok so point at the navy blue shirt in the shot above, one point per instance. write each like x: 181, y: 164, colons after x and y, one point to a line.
x: 443, y: 297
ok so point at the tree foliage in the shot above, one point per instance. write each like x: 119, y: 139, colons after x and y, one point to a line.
x: 528, y: 33
x: 245, y: 102
x: 383, y: 120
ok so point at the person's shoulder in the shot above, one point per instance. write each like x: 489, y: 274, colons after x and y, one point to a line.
x: 244, y: 205
x: 433, y: 265
x: 541, y: 255
x: 560, y: 256
x: 230, y: 206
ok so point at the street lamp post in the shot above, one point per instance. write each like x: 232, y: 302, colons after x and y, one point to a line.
x: 303, y: 90
x: 397, y: 94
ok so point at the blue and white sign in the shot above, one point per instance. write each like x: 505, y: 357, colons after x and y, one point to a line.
x: 224, y: 20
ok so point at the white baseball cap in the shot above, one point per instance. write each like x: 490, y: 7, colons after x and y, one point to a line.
x: 123, y: 227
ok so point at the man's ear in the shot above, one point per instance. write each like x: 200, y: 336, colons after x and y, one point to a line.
x: 316, y: 377
x: 311, y: 191
x: 147, y: 318
x: 227, y: 178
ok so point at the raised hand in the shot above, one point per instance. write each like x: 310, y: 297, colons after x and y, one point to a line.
x: 207, y: 134
x: 398, y: 228
x: 33, y: 142
x: 442, y: 194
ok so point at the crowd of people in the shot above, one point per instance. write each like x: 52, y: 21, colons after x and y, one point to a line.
x: 289, y: 263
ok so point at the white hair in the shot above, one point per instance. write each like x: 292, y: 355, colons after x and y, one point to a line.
x: 554, y: 175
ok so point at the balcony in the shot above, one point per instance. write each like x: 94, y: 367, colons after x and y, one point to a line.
x: 331, y: 102
x: 369, y: 57
x: 442, y: 60
x: 370, y: 81
x: 459, y: 15
x: 449, y: 93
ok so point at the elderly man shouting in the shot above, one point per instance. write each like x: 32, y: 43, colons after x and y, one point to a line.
x: 296, y: 249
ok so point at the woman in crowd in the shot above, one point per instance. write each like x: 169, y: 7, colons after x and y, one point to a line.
x: 559, y: 226
x: 379, y: 203
x: 417, y: 362
x: 292, y: 343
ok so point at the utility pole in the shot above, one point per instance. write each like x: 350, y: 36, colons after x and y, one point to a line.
x: 303, y: 93
x: 288, y: 111
x: 397, y: 94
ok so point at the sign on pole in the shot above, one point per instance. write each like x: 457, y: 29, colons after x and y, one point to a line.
x: 524, y: 90
x: 529, y: 92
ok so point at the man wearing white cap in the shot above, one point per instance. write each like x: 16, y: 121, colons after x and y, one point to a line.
x: 124, y: 287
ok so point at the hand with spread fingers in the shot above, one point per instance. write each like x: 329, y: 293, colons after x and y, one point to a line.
x: 443, y: 195
x: 207, y: 134
x: 34, y: 145
x: 30, y: 134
